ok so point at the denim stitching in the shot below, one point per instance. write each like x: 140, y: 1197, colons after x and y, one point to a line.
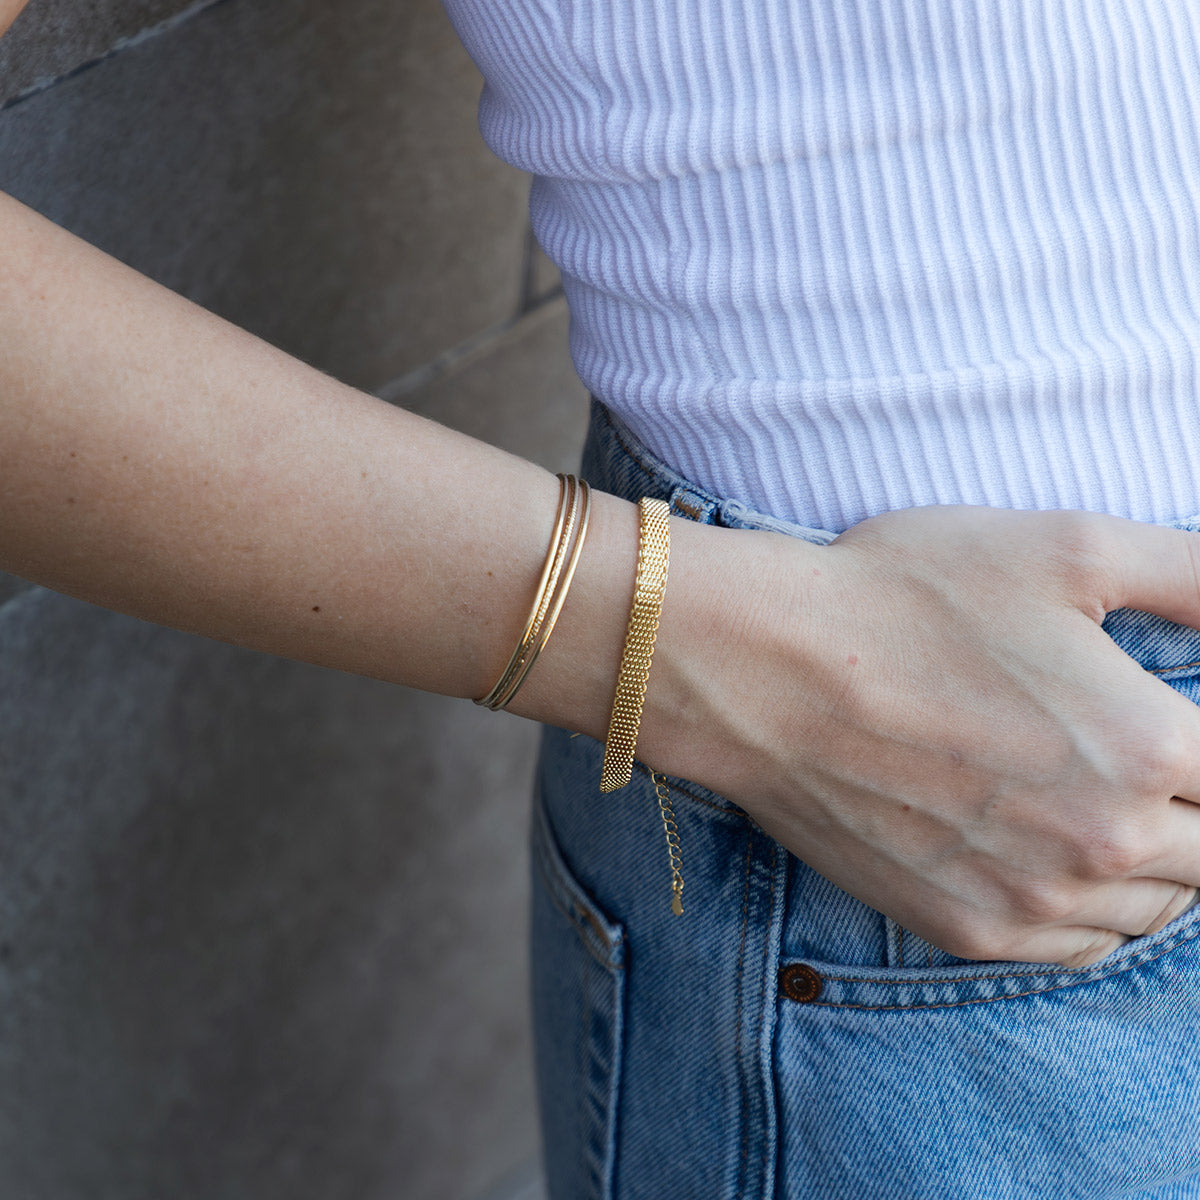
x: 585, y: 932
x: 1191, y: 666
x: 1179, y: 938
x: 554, y: 887
x: 585, y: 1105
x: 768, y: 990
x: 738, y: 1007
x: 1040, y: 991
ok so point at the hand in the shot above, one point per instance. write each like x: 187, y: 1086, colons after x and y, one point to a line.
x: 928, y: 713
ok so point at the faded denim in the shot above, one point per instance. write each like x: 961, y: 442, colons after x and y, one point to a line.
x: 783, y: 1040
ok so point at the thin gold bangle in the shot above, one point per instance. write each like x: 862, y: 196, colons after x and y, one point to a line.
x: 557, y: 594
x: 568, y: 508
x: 562, y: 557
x: 654, y: 549
x: 489, y: 701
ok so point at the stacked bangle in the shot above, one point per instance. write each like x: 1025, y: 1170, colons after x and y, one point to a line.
x: 566, y: 543
x: 570, y: 528
x: 654, y: 545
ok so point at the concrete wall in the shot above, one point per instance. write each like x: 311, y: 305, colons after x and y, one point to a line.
x: 262, y: 925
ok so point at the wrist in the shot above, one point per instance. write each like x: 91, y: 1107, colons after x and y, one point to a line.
x: 739, y: 630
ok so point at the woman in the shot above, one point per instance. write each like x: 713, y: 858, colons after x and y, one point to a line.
x: 828, y: 266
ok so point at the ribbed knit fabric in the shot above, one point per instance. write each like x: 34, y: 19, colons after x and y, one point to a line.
x: 832, y: 257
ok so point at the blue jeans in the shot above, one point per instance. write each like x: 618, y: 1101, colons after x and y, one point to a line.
x: 781, y: 1039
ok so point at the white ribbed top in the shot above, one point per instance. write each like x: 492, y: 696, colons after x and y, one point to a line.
x: 833, y: 257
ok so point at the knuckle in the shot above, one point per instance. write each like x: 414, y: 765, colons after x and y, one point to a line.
x: 1044, y: 903
x: 1155, y: 760
x: 1114, y: 854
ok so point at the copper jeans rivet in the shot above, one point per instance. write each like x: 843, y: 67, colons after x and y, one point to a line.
x: 799, y: 982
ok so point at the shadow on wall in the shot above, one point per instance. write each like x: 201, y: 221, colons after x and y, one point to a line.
x: 249, y: 904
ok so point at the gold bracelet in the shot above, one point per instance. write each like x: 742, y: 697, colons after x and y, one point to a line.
x: 654, y: 547
x: 556, y: 594
x: 566, y: 544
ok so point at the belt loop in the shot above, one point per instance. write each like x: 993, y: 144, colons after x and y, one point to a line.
x: 696, y: 507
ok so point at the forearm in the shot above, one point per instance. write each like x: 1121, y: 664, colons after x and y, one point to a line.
x: 9, y: 11
x: 924, y: 711
x: 159, y: 461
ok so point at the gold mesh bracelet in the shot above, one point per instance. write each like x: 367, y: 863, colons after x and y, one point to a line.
x: 654, y: 546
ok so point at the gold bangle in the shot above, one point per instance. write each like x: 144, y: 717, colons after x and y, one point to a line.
x: 654, y: 546
x: 566, y: 544
x: 556, y: 593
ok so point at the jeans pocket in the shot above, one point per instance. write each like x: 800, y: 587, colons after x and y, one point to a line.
x: 997, y: 1080
x: 578, y: 1003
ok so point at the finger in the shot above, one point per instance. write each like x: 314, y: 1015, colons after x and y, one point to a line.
x: 1185, y: 734
x: 1136, y: 907
x: 1177, y: 856
x: 1153, y: 568
x: 1073, y: 947
x: 1186, y: 901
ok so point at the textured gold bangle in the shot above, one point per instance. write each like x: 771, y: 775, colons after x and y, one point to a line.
x: 654, y: 546
x: 566, y: 544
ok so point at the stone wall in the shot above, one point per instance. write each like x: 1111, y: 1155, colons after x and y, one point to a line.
x: 262, y: 927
